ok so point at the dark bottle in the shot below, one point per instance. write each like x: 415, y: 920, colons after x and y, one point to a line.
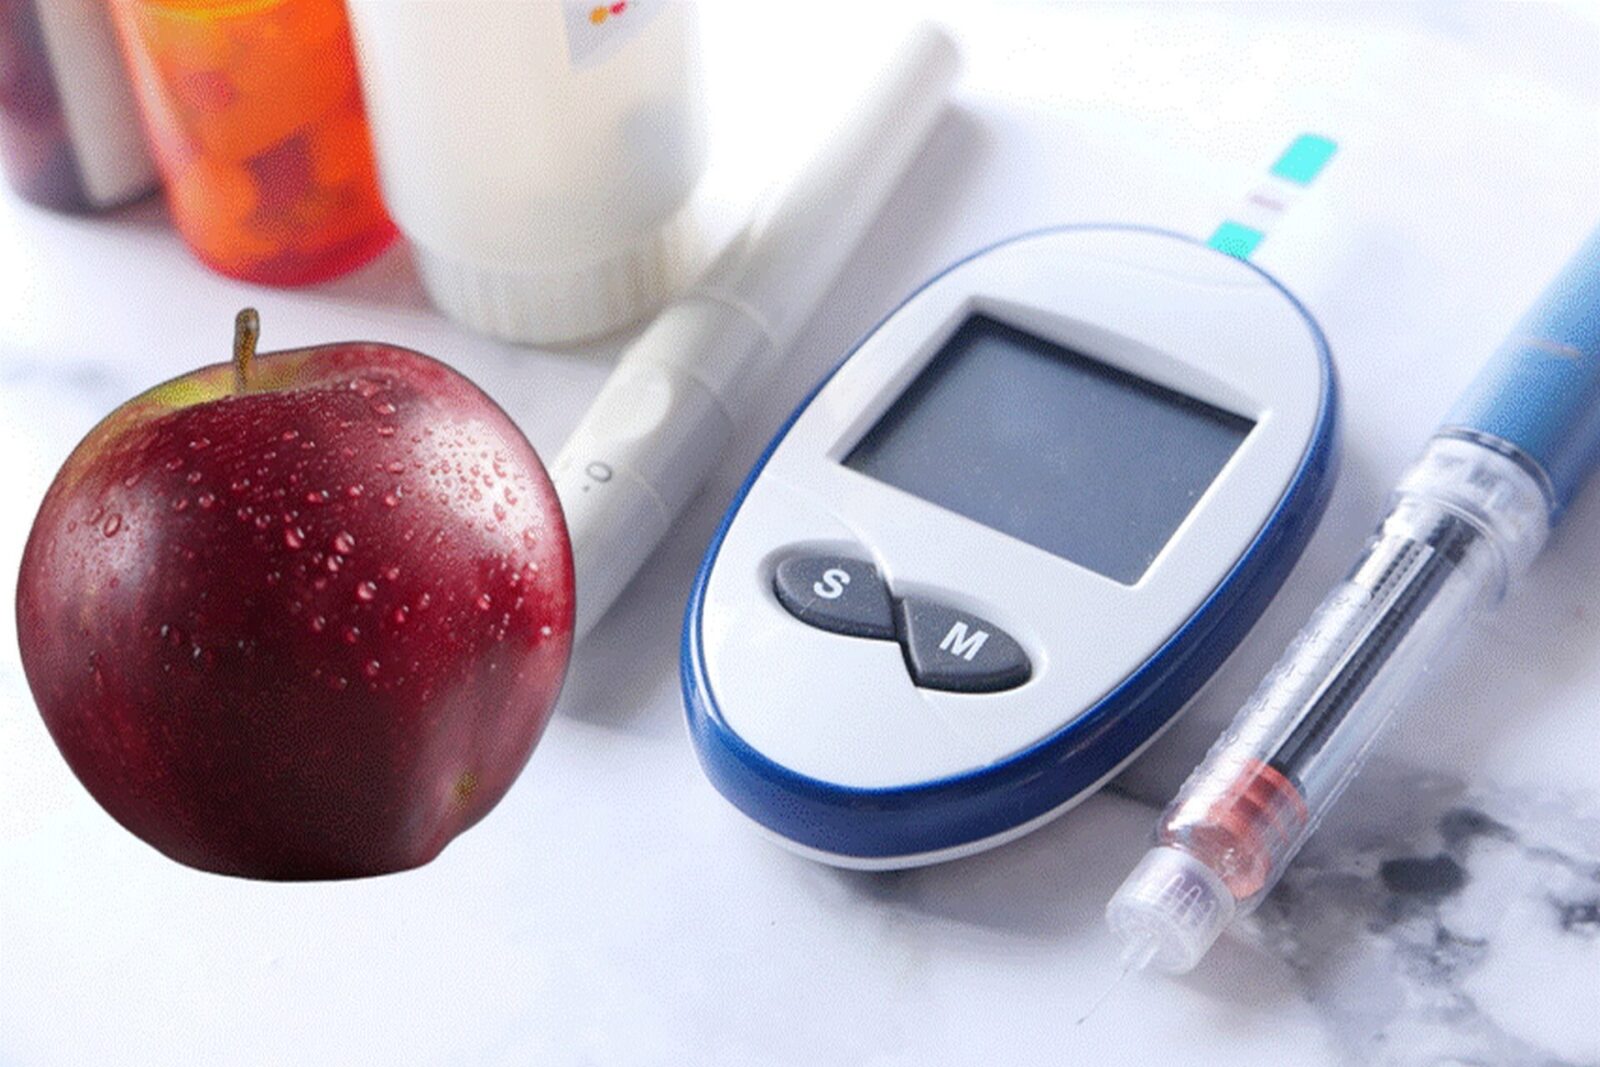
x: 70, y: 137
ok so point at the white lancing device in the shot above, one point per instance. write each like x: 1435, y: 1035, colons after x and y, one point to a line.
x: 661, y: 422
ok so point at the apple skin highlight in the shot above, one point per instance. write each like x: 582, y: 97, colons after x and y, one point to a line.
x: 308, y: 628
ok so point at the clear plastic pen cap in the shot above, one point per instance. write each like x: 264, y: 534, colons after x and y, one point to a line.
x: 1169, y: 911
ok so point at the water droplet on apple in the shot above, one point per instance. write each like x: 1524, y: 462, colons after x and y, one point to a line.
x: 199, y: 443
x: 366, y: 591
x: 205, y: 500
x: 423, y: 601
x: 401, y: 614
x: 289, y: 435
x: 352, y: 634
x: 385, y: 431
x: 239, y: 485
x: 334, y: 563
x: 485, y: 602
x: 545, y: 631
x: 338, y: 683
x: 131, y: 480
x: 319, y: 624
x: 383, y: 407
x: 318, y: 496
x: 396, y: 467
x: 262, y: 521
x: 354, y: 491
x: 193, y: 477
x: 180, y: 504
x: 174, y: 464
x: 391, y: 500
x: 372, y: 668
x: 294, y: 537
x: 391, y: 573
x: 113, y: 523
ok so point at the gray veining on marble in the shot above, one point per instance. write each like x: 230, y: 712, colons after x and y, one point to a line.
x: 1441, y: 923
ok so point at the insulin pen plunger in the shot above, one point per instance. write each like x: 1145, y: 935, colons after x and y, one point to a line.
x: 1464, y: 523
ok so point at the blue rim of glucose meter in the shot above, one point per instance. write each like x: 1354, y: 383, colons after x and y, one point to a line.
x: 907, y: 821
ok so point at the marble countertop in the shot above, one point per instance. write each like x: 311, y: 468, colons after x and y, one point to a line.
x: 613, y: 910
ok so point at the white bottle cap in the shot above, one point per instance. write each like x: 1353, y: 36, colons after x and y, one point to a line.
x: 541, y: 306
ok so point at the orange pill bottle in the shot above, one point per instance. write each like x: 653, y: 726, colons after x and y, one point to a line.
x: 255, y: 117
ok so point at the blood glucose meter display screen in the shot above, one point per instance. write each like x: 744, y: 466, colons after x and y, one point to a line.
x: 1088, y: 462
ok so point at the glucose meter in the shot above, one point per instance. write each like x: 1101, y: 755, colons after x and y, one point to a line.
x: 995, y: 552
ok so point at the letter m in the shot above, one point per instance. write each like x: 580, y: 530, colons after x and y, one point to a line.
x: 958, y: 642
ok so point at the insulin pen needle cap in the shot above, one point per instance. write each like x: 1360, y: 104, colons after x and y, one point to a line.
x: 1168, y: 911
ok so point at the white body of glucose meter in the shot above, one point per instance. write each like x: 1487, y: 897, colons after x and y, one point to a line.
x: 1004, y: 542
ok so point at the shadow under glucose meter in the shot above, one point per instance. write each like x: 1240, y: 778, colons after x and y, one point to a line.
x: 998, y: 549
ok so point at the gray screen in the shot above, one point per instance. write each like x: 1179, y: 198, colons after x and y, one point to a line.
x: 1085, y: 461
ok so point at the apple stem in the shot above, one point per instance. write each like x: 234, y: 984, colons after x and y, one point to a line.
x: 246, y: 332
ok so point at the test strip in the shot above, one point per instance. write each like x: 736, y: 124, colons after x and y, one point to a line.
x: 1248, y: 224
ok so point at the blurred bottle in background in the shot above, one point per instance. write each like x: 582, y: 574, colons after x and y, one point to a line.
x: 255, y: 117
x: 69, y: 129
x: 538, y: 154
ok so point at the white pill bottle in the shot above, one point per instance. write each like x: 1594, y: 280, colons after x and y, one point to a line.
x: 538, y: 154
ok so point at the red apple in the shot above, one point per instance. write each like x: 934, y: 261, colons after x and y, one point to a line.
x: 301, y: 616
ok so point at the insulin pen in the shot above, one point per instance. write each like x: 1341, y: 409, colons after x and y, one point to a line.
x: 660, y: 423
x: 1464, y: 523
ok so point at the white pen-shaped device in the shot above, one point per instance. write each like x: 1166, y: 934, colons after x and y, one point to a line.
x: 661, y: 422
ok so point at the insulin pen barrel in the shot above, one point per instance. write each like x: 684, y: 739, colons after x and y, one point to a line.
x: 1466, y: 520
x: 1538, y: 399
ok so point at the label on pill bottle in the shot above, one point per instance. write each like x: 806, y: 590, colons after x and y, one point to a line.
x: 596, y: 29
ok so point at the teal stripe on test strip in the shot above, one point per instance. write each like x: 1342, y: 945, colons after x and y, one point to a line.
x: 1297, y: 167
x: 1304, y: 159
x: 1236, y: 239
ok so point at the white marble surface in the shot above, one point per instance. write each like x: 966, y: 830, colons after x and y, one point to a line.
x: 614, y: 911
